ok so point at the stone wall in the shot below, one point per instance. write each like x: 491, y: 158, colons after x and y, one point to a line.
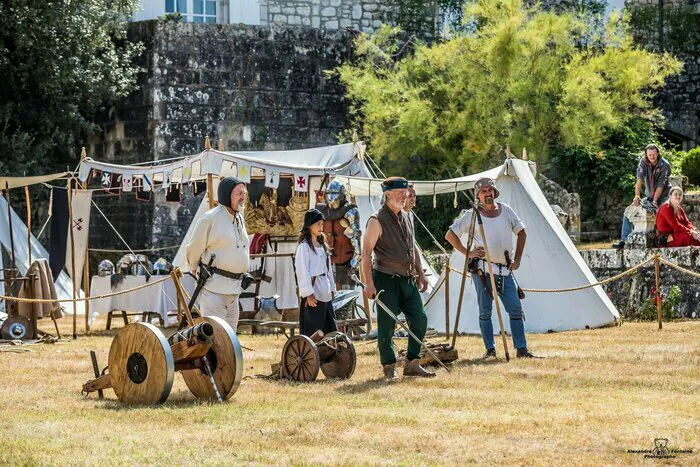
x: 680, y: 102
x: 567, y: 206
x: 255, y: 87
x: 361, y: 15
x: 629, y: 293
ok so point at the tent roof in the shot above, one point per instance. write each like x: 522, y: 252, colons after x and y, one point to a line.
x: 18, y: 182
x: 360, y: 186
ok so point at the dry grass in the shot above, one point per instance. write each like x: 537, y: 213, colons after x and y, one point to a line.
x: 596, y: 395
x: 594, y: 245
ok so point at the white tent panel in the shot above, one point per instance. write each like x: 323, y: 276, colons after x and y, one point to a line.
x: 550, y: 261
x: 64, y: 285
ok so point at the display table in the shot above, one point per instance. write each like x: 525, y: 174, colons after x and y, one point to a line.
x: 158, y: 300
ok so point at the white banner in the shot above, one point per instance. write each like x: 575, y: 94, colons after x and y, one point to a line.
x: 127, y: 182
x: 272, y: 179
x: 243, y: 172
x: 301, y: 183
x: 81, y: 202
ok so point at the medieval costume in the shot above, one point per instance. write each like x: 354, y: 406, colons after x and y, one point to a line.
x: 221, y: 232
x: 315, y: 278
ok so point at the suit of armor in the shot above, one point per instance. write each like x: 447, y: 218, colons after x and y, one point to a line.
x: 342, y: 229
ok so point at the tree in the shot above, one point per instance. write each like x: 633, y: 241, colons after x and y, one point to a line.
x: 520, y: 76
x: 60, y: 61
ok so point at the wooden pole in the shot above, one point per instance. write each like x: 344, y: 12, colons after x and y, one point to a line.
x: 220, y: 145
x: 494, y: 293
x: 72, y: 255
x: 175, y: 275
x: 29, y: 223
x: 447, y: 298
x: 472, y: 226
x: 12, y: 238
x: 658, y: 289
x: 210, y: 178
x: 365, y: 302
x: 86, y: 287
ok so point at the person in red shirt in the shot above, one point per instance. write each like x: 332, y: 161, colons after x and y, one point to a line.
x: 672, y: 222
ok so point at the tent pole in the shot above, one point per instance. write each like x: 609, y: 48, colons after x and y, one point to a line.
x: 472, y: 226
x: 447, y: 298
x: 72, y: 254
x: 494, y: 293
x: 29, y: 223
x: 12, y: 239
x: 210, y: 178
x: 657, y: 273
x: 86, y: 287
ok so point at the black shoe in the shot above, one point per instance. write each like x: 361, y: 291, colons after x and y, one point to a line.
x: 490, y: 353
x: 524, y: 353
x: 619, y: 245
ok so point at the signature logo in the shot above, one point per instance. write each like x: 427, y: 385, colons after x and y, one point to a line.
x: 660, y: 450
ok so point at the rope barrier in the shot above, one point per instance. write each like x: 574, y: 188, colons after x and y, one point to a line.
x: 587, y: 286
x: 95, y: 297
x: 144, y: 250
x: 679, y: 268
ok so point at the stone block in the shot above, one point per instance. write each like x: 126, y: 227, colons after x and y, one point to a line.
x: 357, y: 12
x: 303, y: 10
x: 336, y: 2
x: 331, y: 24
x: 370, y: 7
x: 288, y: 10
x: 279, y: 19
x: 294, y: 20
x: 345, y: 23
x: 315, y: 22
x: 328, y: 11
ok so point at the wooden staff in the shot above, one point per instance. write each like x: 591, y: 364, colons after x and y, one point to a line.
x: 210, y: 178
x: 472, y: 226
x: 72, y: 255
x: 365, y: 302
x: 657, y: 272
x: 12, y: 238
x: 175, y: 275
x: 447, y: 298
x: 29, y: 223
x: 494, y: 292
x: 86, y: 288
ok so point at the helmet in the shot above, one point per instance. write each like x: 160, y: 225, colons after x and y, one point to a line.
x: 105, y: 268
x: 141, y: 266
x: 336, y: 195
x: 124, y: 264
x: 162, y: 267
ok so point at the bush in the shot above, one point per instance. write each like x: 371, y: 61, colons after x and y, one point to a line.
x: 648, y: 312
x: 690, y: 166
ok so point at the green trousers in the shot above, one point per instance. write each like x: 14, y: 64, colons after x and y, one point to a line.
x: 400, y: 296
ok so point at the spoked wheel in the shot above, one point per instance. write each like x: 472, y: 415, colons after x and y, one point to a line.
x: 341, y: 359
x: 300, y: 360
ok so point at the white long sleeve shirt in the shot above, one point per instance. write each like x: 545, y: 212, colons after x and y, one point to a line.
x: 221, y: 233
x: 309, y: 265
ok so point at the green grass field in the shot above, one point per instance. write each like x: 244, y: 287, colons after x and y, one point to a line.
x: 598, y: 394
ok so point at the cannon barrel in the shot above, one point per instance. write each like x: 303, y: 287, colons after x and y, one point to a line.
x: 202, y: 332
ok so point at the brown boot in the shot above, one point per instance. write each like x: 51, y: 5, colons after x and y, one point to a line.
x: 413, y: 368
x: 390, y: 372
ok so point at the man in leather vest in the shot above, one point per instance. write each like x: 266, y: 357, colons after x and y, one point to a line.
x: 342, y: 229
x: 397, y: 271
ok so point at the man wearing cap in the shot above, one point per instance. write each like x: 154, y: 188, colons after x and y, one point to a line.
x: 500, y: 224
x: 221, y: 232
x: 397, y: 271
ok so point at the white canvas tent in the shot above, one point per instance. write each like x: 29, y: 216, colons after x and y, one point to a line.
x: 64, y: 286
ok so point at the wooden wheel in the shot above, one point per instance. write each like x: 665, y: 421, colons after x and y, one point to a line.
x: 300, y: 360
x: 141, y: 365
x: 225, y: 358
x: 341, y: 358
x: 17, y: 327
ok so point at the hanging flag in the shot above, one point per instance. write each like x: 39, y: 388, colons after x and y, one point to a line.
x: 167, y: 178
x: 243, y: 172
x: 84, y: 172
x: 106, y: 179
x: 271, y: 179
x: 301, y: 183
x: 186, y: 172
x: 115, y: 185
x: 59, y: 248
x: 147, y: 183
x: 127, y: 182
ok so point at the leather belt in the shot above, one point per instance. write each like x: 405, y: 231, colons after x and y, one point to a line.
x: 396, y: 266
x: 231, y: 275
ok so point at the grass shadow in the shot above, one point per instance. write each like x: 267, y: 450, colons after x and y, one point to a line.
x: 366, y: 385
x: 478, y: 361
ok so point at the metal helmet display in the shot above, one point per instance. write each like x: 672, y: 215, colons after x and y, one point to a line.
x: 105, y: 268
x: 162, y: 267
x: 124, y: 264
x: 141, y: 266
x: 336, y: 195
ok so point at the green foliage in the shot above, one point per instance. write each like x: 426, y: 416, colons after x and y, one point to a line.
x: 648, y: 311
x: 681, y: 27
x: 523, y: 76
x: 690, y: 166
x: 60, y: 61
x: 610, y: 169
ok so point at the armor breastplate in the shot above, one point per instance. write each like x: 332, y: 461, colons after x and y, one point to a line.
x: 339, y: 244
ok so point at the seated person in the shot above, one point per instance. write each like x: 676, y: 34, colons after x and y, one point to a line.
x: 672, y: 223
x: 653, y: 171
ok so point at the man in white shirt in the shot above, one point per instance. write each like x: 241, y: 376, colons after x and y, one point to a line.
x: 221, y: 231
x: 500, y: 224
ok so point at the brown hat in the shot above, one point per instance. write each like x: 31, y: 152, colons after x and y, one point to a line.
x: 486, y: 182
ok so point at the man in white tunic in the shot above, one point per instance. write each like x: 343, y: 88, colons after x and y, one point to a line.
x: 500, y: 224
x: 221, y: 232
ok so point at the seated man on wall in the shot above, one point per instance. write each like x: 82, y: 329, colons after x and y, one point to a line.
x: 654, y: 171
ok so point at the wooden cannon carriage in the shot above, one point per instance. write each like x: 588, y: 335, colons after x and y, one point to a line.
x: 142, y: 362
x: 303, y: 357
